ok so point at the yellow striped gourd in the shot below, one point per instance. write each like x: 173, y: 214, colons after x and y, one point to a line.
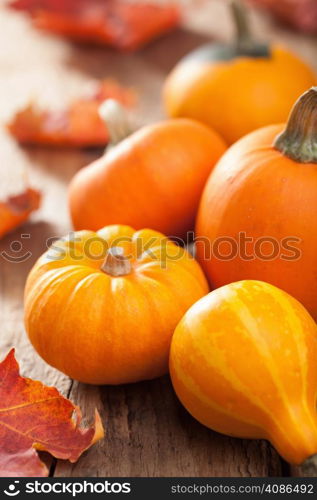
x: 243, y: 362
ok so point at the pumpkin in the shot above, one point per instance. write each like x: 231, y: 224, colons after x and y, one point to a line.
x: 243, y: 362
x: 153, y: 178
x: 16, y: 209
x: 102, y: 307
x: 237, y: 88
x: 258, y: 212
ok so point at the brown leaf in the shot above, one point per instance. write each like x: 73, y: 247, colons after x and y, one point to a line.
x: 35, y: 417
x: 300, y: 14
x: 78, y: 126
x: 123, y: 24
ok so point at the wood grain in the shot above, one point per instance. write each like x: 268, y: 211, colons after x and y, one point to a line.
x: 148, y: 432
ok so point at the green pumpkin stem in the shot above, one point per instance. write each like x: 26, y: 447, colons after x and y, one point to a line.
x: 299, y: 139
x: 116, y: 263
x: 246, y: 44
x: 244, y: 38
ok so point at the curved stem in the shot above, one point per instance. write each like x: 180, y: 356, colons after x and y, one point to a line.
x: 116, y: 119
x: 299, y: 139
x: 116, y: 263
x: 244, y: 38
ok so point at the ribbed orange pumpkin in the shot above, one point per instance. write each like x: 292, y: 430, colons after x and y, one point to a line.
x: 239, y: 88
x: 243, y: 362
x: 102, y: 307
x: 259, y: 208
x: 154, y: 178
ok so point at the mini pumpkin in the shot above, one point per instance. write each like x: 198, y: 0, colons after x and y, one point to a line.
x: 237, y: 88
x: 102, y: 307
x: 153, y: 178
x: 259, y: 207
x: 243, y: 362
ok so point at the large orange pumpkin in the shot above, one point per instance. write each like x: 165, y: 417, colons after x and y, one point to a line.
x: 102, y: 307
x: 258, y: 213
x: 243, y: 362
x: 239, y: 88
x: 154, y: 178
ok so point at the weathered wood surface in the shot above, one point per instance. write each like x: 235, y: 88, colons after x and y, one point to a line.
x: 148, y: 432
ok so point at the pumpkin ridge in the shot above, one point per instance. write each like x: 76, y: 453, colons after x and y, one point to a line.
x: 101, y: 329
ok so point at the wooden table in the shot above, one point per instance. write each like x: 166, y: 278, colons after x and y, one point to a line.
x: 148, y: 431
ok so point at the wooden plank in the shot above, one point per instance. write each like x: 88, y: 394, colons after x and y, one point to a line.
x: 148, y: 432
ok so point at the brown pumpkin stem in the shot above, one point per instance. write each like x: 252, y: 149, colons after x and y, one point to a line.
x: 309, y: 467
x: 116, y: 263
x: 244, y: 38
x: 116, y: 119
x: 299, y: 139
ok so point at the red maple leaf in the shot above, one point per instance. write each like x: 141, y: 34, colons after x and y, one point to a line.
x: 121, y: 23
x: 78, y: 126
x: 35, y: 417
x: 16, y: 209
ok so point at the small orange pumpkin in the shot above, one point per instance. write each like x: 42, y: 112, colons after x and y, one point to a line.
x: 102, y: 307
x: 154, y: 178
x: 259, y: 208
x: 243, y: 362
x: 239, y: 88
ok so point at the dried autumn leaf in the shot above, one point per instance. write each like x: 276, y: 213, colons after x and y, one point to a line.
x: 120, y: 23
x: 300, y: 14
x: 16, y: 209
x: 78, y: 126
x: 17, y: 199
x: 35, y: 417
